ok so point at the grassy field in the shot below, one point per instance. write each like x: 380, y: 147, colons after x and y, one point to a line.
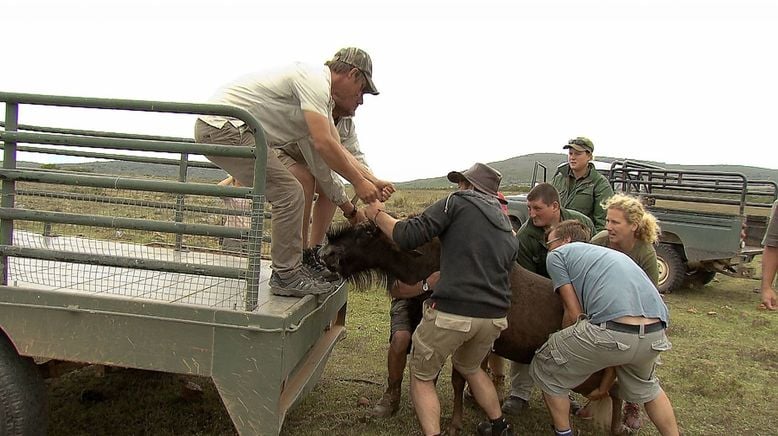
x: 720, y: 376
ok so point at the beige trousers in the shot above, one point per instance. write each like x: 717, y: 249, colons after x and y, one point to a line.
x: 282, y: 190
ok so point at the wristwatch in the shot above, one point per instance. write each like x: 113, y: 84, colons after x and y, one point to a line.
x: 424, y: 285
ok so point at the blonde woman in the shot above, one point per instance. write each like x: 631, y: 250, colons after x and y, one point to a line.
x: 631, y: 229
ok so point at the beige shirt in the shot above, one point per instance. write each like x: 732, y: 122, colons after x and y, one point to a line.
x: 330, y: 183
x: 277, y: 98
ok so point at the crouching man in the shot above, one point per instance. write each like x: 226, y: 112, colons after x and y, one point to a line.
x: 614, y: 318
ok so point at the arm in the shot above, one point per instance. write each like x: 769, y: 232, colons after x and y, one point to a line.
x: 346, y: 131
x: 650, y: 267
x: 404, y: 290
x: 375, y: 212
x: 570, y: 303
x: 524, y: 255
x: 602, y: 192
x: 769, y: 268
x: 333, y: 153
x: 608, y: 378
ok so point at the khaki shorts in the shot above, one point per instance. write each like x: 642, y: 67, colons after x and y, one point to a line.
x: 571, y: 355
x: 441, y: 335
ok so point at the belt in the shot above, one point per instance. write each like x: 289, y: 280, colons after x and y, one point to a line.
x: 629, y: 328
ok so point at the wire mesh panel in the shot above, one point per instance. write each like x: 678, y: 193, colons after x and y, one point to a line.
x: 137, y: 244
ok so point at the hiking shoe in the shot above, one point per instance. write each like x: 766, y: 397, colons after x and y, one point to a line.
x: 316, y: 267
x: 514, y: 405
x: 298, y: 284
x: 485, y: 429
x: 632, y: 416
x: 389, y: 403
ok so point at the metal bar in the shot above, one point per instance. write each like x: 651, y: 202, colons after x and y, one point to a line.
x: 132, y: 202
x: 123, y: 223
x: 136, y: 105
x: 31, y: 128
x: 9, y: 186
x: 127, y: 144
x: 112, y: 156
x: 123, y: 262
x: 179, y: 211
x: 111, y: 182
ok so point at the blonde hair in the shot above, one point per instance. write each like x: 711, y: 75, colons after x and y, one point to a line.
x: 648, y: 229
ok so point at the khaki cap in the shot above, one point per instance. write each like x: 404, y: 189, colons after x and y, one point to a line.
x: 359, y: 59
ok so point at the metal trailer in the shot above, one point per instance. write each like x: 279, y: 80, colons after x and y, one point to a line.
x: 76, y: 289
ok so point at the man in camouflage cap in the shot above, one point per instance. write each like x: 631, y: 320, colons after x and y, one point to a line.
x: 294, y: 104
x: 317, y: 177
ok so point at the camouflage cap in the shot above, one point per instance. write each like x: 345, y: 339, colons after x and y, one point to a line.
x: 580, y: 143
x: 483, y: 177
x: 359, y: 59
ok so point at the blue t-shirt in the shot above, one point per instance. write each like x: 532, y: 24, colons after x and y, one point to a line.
x: 608, y: 283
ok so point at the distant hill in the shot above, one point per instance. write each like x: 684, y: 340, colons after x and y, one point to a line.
x: 516, y: 170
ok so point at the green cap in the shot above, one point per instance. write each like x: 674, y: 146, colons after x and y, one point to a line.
x: 359, y: 59
x: 581, y: 143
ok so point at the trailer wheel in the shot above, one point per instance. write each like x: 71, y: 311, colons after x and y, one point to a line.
x: 672, y: 268
x: 23, y: 407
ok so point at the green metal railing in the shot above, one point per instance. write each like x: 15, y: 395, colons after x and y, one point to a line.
x: 12, y: 136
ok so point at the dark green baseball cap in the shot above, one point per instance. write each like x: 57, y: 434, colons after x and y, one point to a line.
x: 580, y: 143
x: 359, y: 59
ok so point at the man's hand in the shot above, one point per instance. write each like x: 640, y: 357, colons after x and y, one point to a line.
x: 386, y: 188
x: 372, y: 209
x: 358, y: 218
x: 367, y: 191
x: 433, y: 279
x: 597, y: 394
x: 769, y: 299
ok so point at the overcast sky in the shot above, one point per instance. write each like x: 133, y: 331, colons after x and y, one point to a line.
x: 679, y: 81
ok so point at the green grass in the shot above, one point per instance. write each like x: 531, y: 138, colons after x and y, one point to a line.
x: 719, y: 375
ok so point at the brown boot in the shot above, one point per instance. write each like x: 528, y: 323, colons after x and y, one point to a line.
x: 389, y: 403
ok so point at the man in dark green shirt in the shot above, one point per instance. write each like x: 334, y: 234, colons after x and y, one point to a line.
x: 580, y: 186
x: 544, y: 212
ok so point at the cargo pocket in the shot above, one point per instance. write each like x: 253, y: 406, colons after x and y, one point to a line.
x: 422, y: 361
x: 661, y: 345
x: 454, y: 323
x: 548, y: 353
x: 500, y: 323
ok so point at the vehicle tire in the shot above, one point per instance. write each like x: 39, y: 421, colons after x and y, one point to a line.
x: 699, y: 278
x: 672, y: 268
x: 23, y: 407
x: 515, y: 223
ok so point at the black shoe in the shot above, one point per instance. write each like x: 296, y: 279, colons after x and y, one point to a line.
x: 485, y: 429
x: 316, y: 267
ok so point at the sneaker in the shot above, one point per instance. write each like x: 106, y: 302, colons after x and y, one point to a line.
x: 632, y: 416
x: 298, y: 284
x: 316, y: 267
x: 514, y: 405
x: 485, y: 429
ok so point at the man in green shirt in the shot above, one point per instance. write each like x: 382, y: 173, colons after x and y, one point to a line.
x: 544, y: 212
x: 580, y: 186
